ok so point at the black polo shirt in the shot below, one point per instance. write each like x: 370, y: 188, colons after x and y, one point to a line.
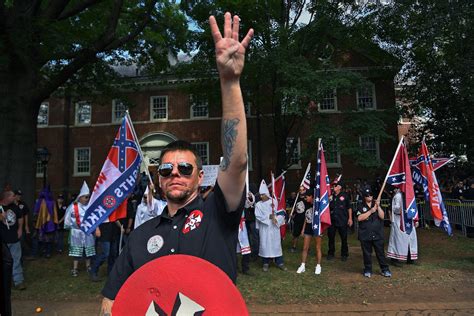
x: 205, y: 228
x: 339, y: 207
x: 372, y: 227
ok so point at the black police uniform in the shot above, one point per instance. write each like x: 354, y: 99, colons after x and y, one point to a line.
x: 371, y: 236
x: 205, y: 229
x: 339, y: 207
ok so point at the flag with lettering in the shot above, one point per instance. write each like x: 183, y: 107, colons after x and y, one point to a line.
x: 400, y: 176
x: 117, y: 179
x: 431, y: 188
x: 416, y: 172
x: 321, y: 214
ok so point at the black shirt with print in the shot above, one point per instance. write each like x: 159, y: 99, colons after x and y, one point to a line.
x: 9, y: 232
x: 339, y: 207
x: 372, y: 227
x: 204, y: 228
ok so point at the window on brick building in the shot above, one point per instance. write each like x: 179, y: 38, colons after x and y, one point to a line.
x: 332, y: 153
x: 118, y: 111
x: 43, y: 114
x: 82, y: 161
x: 199, y: 107
x: 39, y: 168
x: 202, y: 149
x: 328, y: 101
x: 83, y: 113
x: 295, y: 155
x: 159, y: 108
x: 366, y: 98
x: 370, y: 145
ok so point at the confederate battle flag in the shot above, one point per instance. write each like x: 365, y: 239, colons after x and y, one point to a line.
x: 116, y: 181
x: 321, y: 217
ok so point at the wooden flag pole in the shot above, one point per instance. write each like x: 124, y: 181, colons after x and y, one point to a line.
x: 390, y: 168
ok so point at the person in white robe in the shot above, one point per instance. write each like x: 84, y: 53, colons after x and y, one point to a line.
x: 148, y: 209
x: 401, y: 246
x: 269, y: 229
x: 80, y: 243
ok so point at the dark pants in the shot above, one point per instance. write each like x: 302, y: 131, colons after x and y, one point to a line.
x: 278, y: 260
x: 108, y: 252
x: 245, y: 263
x: 253, y: 237
x: 367, y: 246
x: 332, y: 240
x: 6, y: 281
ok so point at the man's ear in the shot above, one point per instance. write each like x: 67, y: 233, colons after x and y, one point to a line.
x: 200, y: 177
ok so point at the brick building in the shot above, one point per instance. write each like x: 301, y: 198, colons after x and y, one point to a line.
x: 78, y: 132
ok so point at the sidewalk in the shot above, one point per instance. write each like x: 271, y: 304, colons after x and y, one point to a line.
x: 389, y: 309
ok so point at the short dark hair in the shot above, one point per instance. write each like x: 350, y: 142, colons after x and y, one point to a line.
x: 181, y: 145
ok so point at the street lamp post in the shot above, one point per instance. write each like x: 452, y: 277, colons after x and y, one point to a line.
x: 43, y: 155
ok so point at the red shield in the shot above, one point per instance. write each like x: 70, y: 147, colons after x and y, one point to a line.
x: 179, y: 284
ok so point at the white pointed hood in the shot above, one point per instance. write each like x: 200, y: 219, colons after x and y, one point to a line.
x: 264, y: 189
x: 84, y: 190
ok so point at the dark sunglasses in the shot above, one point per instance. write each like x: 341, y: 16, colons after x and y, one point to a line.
x: 184, y: 168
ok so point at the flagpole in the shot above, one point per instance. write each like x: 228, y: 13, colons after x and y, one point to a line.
x: 390, y: 168
x: 298, y: 194
x: 140, y: 149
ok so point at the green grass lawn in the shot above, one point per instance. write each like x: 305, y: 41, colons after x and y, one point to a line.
x: 450, y: 257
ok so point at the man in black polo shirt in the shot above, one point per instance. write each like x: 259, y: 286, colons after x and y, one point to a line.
x: 189, y: 225
x: 370, y: 216
x: 341, y: 219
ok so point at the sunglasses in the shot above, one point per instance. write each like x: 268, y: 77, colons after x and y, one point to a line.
x: 184, y: 168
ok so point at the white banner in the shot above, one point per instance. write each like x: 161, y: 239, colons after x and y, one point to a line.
x: 210, y: 175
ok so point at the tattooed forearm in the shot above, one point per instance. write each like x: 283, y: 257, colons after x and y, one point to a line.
x: 229, y: 135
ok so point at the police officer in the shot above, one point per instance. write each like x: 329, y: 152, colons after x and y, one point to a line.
x: 190, y: 225
x: 341, y: 219
x: 371, y: 216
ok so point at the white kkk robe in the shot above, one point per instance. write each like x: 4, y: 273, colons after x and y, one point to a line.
x: 270, y: 239
x: 79, y: 241
x: 145, y: 212
x: 400, y: 241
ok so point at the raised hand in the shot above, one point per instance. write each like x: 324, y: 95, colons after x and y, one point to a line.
x: 230, y: 53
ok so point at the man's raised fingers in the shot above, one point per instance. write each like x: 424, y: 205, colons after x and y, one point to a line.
x: 216, y: 34
x: 235, y: 28
x: 245, y: 42
x: 227, y: 25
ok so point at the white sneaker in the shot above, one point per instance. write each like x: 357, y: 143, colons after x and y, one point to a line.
x: 301, y: 269
x: 317, y: 270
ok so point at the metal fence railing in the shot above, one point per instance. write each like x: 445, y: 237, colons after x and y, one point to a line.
x: 460, y: 213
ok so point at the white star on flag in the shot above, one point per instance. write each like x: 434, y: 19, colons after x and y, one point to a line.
x: 412, y: 210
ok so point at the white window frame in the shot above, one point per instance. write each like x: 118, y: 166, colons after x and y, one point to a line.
x: 192, y: 103
x: 39, y: 168
x: 249, y: 153
x: 338, y: 163
x: 151, y: 108
x: 207, y: 151
x: 46, y: 104
x: 76, y: 172
x: 298, y: 151
x: 115, y: 103
x: 76, y: 116
x: 377, y: 146
x: 374, y: 99
x: 335, y: 103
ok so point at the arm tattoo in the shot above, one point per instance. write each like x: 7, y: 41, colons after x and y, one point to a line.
x: 229, y: 135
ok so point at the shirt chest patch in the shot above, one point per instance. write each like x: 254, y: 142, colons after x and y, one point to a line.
x: 365, y: 209
x: 193, y: 221
x: 154, y: 244
x: 342, y: 198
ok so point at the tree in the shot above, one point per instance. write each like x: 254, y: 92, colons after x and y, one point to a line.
x: 290, y: 66
x: 47, y: 45
x: 432, y: 38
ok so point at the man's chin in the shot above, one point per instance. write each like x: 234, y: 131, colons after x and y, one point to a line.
x: 177, y: 198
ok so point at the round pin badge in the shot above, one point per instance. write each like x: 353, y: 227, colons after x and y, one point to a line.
x: 154, y: 244
x: 365, y: 209
x: 179, y: 285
